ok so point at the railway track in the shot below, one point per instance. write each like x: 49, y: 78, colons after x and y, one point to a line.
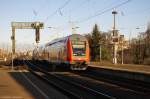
x: 116, y: 91
x: 137, y: 86
x: 73, y: 89
x: 92, y: 80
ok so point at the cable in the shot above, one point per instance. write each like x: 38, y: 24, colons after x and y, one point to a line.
x: 141, y: 11
x: 112, y: 4
x: 83, y: 3
x: 133, y: 27
x: 75, y: 8
x: 80, y: 5
x: 59, y: 9
x: 109, y: 9
x: 42, y: 6
x: 36, y: 12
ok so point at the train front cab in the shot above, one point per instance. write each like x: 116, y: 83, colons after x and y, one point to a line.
x: 79, y: 54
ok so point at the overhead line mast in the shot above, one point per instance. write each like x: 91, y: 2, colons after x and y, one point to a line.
x: 115, y: 38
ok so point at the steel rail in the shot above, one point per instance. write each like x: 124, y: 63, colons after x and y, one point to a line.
x: 122, y: 82
x: 65, y: 91
x: 100, y: 94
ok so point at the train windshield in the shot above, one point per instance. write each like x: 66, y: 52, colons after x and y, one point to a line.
x: 79, y: 48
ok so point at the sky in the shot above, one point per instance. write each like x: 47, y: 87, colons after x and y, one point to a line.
x: 61, y: 15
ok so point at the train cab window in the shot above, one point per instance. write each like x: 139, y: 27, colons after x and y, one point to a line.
x: 79, y: 48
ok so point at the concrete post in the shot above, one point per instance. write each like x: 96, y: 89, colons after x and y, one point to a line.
x: 13, y: 46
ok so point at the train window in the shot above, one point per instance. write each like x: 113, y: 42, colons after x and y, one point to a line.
x: 79, y: 48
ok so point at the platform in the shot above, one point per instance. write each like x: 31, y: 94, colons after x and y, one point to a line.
x: 145, y: 69
x: 18, y: 84
x: 130, y: 71
x: 10, y: 89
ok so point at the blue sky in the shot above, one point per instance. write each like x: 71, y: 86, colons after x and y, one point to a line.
x: 136, y: 13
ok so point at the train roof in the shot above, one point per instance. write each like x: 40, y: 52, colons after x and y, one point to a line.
x: 72, y: 37
x: 77, y: 37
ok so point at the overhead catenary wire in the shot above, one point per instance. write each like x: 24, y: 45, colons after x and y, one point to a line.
x: 40, y: 9
x: 80, y: 5
x: 67, y: 2
x: 77, y: 7
x: 104, y: 11
x: 57, y: 10
x: 61, y: 7
x: 133, y: 27
x: 36, y: 13
x: 141, y: 11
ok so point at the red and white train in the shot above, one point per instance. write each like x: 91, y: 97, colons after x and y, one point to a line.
x: 72, y: 51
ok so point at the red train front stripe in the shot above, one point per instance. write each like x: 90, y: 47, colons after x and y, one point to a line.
x: 69, y: 52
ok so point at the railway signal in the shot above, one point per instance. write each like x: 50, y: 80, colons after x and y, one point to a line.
x: 37, y: 26
x: 25, y: 25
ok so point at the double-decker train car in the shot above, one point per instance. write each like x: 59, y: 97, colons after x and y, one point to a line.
x: 72, y: 51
